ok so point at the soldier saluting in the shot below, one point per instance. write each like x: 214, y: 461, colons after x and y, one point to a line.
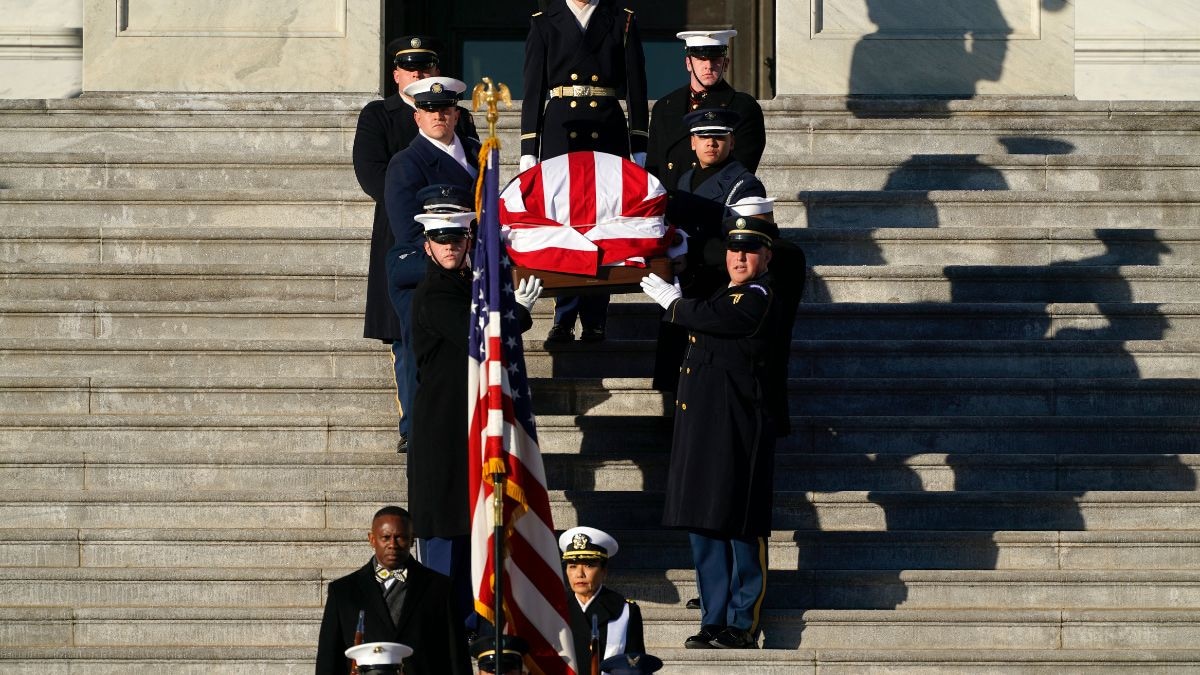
x: 706, y: 57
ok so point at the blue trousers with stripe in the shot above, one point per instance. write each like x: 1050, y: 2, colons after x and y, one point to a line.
x: 732, y: 576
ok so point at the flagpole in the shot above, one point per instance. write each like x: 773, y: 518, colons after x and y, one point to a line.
x: 490, y: 95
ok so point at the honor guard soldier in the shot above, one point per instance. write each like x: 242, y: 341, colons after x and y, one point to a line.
x: 379, y: 658
x: 385, y: 127
x: 436, y: 156
x: 720, y: 479
x: 437, y: 457
x: 585, y: 555
x: 508, y: 659
x: 631, y: 664
x: 581, y: 58
x: 706, y: 57
x: 699, y: 206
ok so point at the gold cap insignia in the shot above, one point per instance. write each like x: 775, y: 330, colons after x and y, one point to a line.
x: 437, y: 88
x: 377, y: 650
x: 580, y: 541
x: 415, y: 42
x: 741, y: 222
x: 710, y: 116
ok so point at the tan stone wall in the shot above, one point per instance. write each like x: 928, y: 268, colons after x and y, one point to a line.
x: 1145, y: 50
x: 41, y: 49
x: 219, y: 46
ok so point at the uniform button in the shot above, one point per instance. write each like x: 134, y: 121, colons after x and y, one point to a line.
x: 573, y: 134
x: 595, y: 135
x: 689, y: 371
x: 692, y: 338
x: 595, y: 78
x: 574, y: 76
x: 683, y: 405
x: 593, y: 104
x: 574, y: 103
x: 670, y: 165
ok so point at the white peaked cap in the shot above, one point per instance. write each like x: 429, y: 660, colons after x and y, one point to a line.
x: 433, y: 222
x: 379, y: 653
x: 586, y: 542
x: 706, y: 38
x: 753, y: 206
x: 435, y: 84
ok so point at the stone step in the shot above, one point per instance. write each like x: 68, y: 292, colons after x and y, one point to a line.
x: 848, y: 510
x: 838, y: 171
x: 808, y: 124
x: 992, y: 208
x: 1002, y: 284
x: 360, y: 358
x: 628, y: 318
x: 615, y: 471
x: 228, y: 587
x: 347, y: 248
x: 252, y: 395
x: 960, y: 170
x: 993, y: 629
x: 645, y: 550
x: 801, y: 661
x: 326, y: 283
x: 1005, y: 245
x: 344, y: 208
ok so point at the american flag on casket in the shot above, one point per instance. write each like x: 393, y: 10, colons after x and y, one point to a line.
x: 578, y: 212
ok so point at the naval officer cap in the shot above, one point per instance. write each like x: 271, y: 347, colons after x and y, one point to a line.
x: 377, y: 658
x: 433, y: 93
x: 413, y: 52
x: 446, y: 199
x: 711, y: 121
x: 444, y: 228
x: 586, y: 544
x: 631, y: 664
x: 510, y: 655
x: 753, y: 206
x: 749, y: 233
x: 706, y: 44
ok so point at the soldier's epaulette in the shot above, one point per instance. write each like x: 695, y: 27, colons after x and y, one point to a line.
x: 760, y: 288
x: 537, y: 13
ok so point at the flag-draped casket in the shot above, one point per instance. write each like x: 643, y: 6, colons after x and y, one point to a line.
x: 595, y: 216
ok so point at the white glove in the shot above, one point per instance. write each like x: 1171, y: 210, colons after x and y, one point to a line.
x: 639, y: 158
x: 660, y: 291
x: 527, y: 162
x: 681, y: 247
x: 528, y: 291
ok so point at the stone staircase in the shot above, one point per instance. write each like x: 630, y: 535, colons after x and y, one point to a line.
x: 995, y: 391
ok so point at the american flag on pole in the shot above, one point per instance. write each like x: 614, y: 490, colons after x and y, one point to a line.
x: 503, y: 439
x: 576, y: 212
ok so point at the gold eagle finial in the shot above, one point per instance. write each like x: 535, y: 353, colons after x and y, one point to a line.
x: 490, y: 94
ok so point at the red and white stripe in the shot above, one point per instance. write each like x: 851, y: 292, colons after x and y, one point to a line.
x: 576, y: 212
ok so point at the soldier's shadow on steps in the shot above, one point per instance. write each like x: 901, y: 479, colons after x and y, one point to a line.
x: 1034, y: 463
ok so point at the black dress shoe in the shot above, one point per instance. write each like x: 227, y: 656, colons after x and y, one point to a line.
x: 703, y: 639
x: 693, y: 603
x: 560, y: 333
x: 735, y: 638
x: 592, y: 335
x: 402, y: 444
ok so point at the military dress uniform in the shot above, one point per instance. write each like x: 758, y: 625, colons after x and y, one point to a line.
x: 574, y: 82
x: 619, y: 621
x: 699, y: 206
x: 669, y: 154
x: 720, y: 480
x: 419, y: 165
x: 584, y: 75
x: 385, y: 127
x: 437, y: 455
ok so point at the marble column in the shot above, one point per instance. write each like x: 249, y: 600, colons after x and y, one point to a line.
x: 221, y: 46
x: 925, y: 47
